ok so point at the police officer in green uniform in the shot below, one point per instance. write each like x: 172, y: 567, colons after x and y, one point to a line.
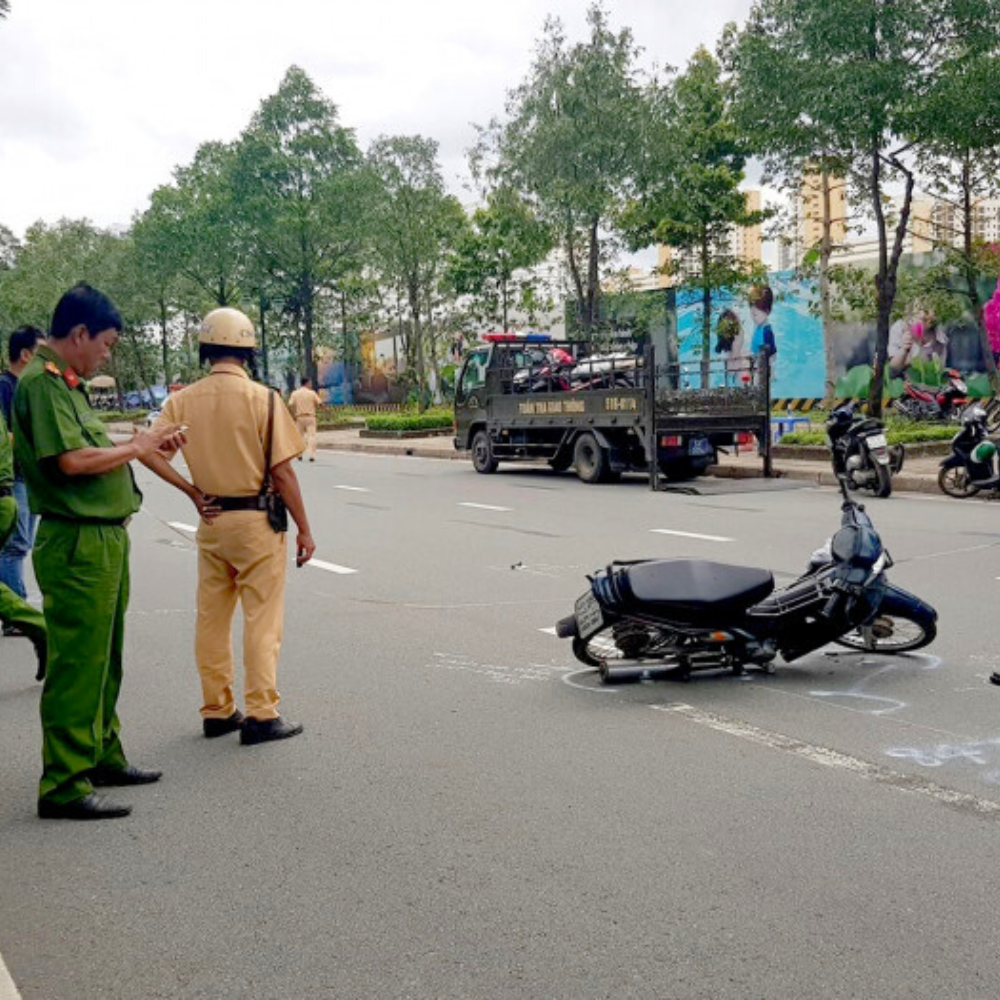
x: 82, y: 486
x: 13, y: 610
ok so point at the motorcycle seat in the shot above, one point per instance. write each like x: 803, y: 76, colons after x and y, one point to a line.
x: 695, y: 588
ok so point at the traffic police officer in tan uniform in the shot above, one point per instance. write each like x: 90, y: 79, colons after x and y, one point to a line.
x: 240, y: 556
x: 303, y: 404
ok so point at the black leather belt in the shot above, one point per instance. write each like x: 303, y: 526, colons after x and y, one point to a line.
x: 97, y: 521
x: 6, y: 491
x: 257, y: 502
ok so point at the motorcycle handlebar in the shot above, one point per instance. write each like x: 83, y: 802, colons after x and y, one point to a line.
x: 830, y: 608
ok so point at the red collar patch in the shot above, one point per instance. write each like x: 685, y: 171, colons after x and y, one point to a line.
x: 71, y: 378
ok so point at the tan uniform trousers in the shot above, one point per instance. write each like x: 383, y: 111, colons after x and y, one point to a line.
x: 307, y: 428
x: 240, y: 557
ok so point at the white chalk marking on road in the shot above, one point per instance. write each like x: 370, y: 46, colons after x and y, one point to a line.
x: 485, y: 506
x: 551, y: 630
x: 569, y: 680
x: 8, y: 988
x: 181, y: 526
x: 331, y: 567
x: 353, y: 489
x: 690, y: 534
x: 986, y: 808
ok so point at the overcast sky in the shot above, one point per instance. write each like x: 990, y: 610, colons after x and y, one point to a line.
x: 101, y: 99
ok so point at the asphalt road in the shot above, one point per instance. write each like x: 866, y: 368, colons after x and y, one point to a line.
x: 469, y: 815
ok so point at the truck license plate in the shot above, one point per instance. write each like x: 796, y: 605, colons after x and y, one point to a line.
x: 699, y: 446
x: 589, y: 616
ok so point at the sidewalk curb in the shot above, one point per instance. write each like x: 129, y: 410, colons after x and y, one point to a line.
x: 403, y: 450
x: 902, y: 483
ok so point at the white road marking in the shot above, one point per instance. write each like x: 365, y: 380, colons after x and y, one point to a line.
x: 8, y: 988
x: 485, y: 506
x: 548, y: 631
x: 690, y: 534
x: 331, y: 567
x: 180, y: 526
x: 986, y: 808
x: 353, y: 489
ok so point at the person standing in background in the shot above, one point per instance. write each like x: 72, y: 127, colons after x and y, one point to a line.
x: 303, y: 404
x: 21, y: 347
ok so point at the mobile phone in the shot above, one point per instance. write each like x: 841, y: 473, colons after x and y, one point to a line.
x: 183, y: 429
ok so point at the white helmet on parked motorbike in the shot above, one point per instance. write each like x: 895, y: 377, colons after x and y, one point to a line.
x: 974, y: 414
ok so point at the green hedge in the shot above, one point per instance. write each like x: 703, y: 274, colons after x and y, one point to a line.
x: 122, y: 416
x: 427, y: 421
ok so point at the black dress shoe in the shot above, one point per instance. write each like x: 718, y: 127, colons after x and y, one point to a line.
x: 219, y: 727
x: 264, y: 730
x: 116, y: 777
x: 12, y: 632
x: 92, y: 806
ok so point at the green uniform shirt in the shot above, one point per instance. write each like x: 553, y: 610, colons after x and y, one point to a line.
x: 6, y: 456
x: 50, y: 418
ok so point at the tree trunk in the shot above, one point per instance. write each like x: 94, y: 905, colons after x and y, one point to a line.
x: 263, y: 338
x: 706, y: 311
x: 574, y: 270
x: 307, y: 331
x: 593, y: 275
x: 418, y: 340
x: 503, y: 300
x: 164, y: 341
x: 826, y: 250
x: 876, y: 388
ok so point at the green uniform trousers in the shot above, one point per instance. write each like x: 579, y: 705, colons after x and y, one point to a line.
x: 82, y: 570
x: 13, y: 610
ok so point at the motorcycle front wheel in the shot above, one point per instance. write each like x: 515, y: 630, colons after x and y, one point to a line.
x: 891, y: 634
x: 883, y: 488
x: 955, y: 483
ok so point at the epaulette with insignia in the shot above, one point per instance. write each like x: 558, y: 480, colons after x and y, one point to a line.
x: 53, y: 369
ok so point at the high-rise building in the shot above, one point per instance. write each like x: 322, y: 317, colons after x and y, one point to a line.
x: 935, y: 223
x: 811, y: 206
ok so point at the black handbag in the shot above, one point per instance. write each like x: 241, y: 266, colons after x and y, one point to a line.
x: 277, y: 512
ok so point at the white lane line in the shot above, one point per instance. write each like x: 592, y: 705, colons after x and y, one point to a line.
x: 353, y: 489
x: 484, y: 506
x: 548, y: 631
x: 331, y: 567
x: 181, y: 526
x: 690, y: 534
x: 986, y: 808
x: 8, y: 988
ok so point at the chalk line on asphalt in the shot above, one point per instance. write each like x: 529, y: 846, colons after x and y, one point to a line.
x: 8, y: 989
x: 484, y: 506
x: 181, y: 526
x: 962, y: 801
x: 690, y: 534
x: 331, y: 567
x: 353, y: 489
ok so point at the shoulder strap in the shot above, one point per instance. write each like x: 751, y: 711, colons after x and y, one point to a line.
x: 266, y: 484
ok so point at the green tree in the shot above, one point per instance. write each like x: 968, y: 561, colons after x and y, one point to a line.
x: 304, y: 197
x: 4, y: 8
x: 505, y: 238
x: 689, y: 196
x: 414, y: 226
x: 569, y: 144
x: 855, y: 80
x: 961, y: 168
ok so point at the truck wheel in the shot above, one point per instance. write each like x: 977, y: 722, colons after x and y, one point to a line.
x: 590, y: 459
x: 483, y: 459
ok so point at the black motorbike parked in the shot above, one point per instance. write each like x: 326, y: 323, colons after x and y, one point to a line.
x: 861, y: 452
x: 971, y: 467
x: 669, y: 617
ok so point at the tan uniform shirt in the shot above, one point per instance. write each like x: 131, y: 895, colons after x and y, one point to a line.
x: 303, y: 402
x: 226, y: 415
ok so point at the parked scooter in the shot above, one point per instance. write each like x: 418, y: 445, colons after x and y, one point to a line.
x: 971, y: 467
x: 860, y: 451
x: 669, y: 617
x: 922, y: 402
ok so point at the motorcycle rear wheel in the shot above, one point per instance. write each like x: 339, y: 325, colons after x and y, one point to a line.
x: 603, y: 650
x: 891, y: 634
x: 954, y: 482
x: 884, y: 487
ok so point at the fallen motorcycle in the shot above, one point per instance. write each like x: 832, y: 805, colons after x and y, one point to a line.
x: 670, y: 617
x: 860, y: 451
x: 923, y: 402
